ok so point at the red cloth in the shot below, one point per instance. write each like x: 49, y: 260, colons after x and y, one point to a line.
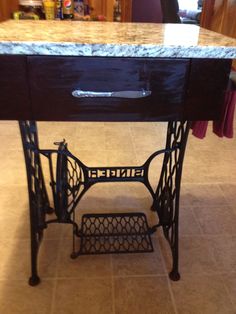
x: 199, y: 128
x: 223, y: 127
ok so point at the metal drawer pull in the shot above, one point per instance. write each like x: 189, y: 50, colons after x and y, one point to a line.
x: 122, y: 94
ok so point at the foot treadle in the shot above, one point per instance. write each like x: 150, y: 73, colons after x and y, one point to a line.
x: 115, y: 233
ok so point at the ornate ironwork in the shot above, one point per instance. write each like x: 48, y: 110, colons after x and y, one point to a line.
x: 114, y: 233
x: 38, y: 198
x: 166, y: 201
x: 69, y: 181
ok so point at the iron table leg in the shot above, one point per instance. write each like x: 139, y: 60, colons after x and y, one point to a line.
x: 167, y: 195
x: 38, y: 198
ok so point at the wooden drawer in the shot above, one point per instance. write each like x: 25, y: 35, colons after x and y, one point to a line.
x: 14, y: 90
x: 53, y: 79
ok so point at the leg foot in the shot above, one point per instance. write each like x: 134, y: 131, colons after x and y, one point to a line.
x: 34, y: 281
x: 49, y: 210
x: 174, y: 275
x: 74, y: 255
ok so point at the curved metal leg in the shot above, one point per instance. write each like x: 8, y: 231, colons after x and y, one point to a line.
x: 166, y: 201
x: 38, y: 199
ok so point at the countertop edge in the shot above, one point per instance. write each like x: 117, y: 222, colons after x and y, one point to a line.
x: 116, y: 50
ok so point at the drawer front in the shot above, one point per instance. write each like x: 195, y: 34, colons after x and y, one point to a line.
x: 14, y: 90
x: 53, y: 79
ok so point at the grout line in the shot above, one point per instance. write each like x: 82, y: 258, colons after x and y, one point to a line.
x: 197, y: 222
x: 133, y: 143
x: 167, y: 278
x: 141, y: 276
x: 228, y: 293
x: 82, y: 277
x: 207, y: 183
x: 203, y: 235
x: 218, y: 273
x: 53, y: 296
x: 56, y: 275
x: 172, y: 295
x: 112, y: 287
x: 224, y: 196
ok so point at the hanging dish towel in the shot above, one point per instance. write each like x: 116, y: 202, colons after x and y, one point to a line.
x: 199, y: 128
x: 224, y: 126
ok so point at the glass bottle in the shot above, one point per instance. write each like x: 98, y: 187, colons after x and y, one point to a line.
x: 68, y: 9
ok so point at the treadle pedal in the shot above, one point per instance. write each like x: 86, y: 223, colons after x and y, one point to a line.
x: 115, y: 233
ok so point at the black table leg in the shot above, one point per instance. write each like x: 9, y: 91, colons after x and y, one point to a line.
x: 38, y: 198
x: 167, y: 195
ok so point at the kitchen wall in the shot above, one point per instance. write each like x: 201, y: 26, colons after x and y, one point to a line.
x: 188, y: 4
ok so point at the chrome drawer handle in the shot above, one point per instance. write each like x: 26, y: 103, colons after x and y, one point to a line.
x: 122, y: 94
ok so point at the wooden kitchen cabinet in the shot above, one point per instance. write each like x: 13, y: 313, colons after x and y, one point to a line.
x: 106, y: 8
x: 6, y: 8
x: 101, y: 7
x: 126, y: 10
x: 219, y: 16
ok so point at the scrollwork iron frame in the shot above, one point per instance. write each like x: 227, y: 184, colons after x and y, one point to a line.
x: 70, y: 179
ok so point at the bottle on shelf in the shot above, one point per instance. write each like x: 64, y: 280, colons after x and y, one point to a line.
x: 59, y: 10
x: 79, y: 7
x: 117, y: 11
x: 49, y: 9
x: 68, y: 9
x: 86, y: 7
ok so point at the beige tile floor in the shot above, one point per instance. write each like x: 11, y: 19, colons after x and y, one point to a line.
x: 126, y: 283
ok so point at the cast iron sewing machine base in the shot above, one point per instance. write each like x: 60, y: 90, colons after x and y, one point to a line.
x: 102, y: 233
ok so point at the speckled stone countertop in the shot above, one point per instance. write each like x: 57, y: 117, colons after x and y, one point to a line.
x: 71, y: 38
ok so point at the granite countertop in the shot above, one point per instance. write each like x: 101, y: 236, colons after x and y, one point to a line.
x: 71, y: 38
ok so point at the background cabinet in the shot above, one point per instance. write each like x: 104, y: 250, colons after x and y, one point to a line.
x: 103, y: 7
x: 6, y: 8
x: 219, y: 16
x: 106, y: 8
